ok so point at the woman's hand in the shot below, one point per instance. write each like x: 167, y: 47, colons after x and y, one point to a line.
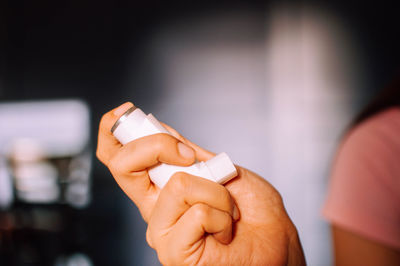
x: 128, y: 163
x: 194, y: 220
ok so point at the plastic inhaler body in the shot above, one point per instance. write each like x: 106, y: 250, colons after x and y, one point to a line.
x: 134, y: 124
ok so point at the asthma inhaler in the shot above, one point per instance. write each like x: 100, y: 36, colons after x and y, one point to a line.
x: 134, y: 124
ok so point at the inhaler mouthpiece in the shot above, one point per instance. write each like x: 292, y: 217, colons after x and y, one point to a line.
x: 134, y: 124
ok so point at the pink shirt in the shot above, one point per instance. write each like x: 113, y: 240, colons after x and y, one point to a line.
x: 364, y: 192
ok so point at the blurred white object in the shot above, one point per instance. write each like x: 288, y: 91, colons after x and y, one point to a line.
x: 76, y: 259
x: 61, y: 127
x: 45, y: 146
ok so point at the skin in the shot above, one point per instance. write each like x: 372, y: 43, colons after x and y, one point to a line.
x: 352, y: 249
x: 194, y: 221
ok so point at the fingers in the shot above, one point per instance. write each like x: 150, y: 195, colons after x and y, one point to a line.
x: 148, y: 151
x: 107, y: 143
x: 141, y: 153
x: 201, y: 219
x: 201, y: 154
x: 184, y: 190
x: 187, y: 208
x: 181, y: 192
x: 128, y: 163
x: 186, y: 240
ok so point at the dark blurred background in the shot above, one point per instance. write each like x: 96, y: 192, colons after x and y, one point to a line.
x: 152, y: 53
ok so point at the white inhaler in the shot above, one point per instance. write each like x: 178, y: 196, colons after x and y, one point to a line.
x: 134, y: 124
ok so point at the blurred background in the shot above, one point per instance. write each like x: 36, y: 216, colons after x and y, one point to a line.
x: 272, y: 83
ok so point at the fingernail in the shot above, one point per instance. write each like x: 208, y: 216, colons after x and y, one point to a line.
x: 185, y: 151
x: 235, y: 214
x: 122, y: 108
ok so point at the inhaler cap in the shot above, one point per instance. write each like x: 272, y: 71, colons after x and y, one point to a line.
x: 222, y: 168
x: 126, y: 127
x: 123, y: 117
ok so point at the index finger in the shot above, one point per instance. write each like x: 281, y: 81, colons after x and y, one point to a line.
x: 184, y: 190
x: 107, y: 144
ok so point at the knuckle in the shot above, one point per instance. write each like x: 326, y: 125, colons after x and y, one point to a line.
x: 200, y: 211
x: 178, y: 183
x: 160, y: 140
x: 114, y: 165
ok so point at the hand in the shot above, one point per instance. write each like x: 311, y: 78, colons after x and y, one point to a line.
x: 264, y: 235
x: 128, y: 163
x: 191, y: 220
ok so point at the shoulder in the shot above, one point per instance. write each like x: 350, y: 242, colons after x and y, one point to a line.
x: 370, y: 154
x: 364, y: 191
x: 377, y: 136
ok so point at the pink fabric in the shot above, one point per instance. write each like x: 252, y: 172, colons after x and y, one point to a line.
x: 364, y: 191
